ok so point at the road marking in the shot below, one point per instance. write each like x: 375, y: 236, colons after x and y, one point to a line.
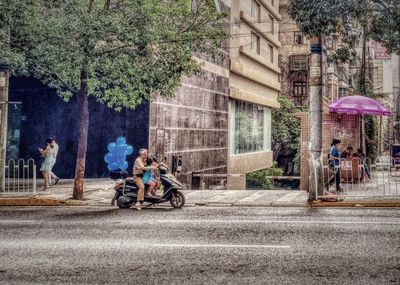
x: 222, y: 245
x: 117, y: 244
x: 276, y: 222
x: 150, y: 221
x: 18, y: 222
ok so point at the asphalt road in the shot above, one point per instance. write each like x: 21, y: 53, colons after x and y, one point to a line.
x: 199, y: 246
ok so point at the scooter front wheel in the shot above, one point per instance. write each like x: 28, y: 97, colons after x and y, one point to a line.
x: 177, y: 200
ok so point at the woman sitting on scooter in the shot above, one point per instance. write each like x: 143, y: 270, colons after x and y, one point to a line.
x: 149, y: 177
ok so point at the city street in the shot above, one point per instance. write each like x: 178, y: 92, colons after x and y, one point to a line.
x: 198, y: 245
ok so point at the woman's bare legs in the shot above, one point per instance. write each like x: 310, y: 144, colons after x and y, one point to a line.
x: 46, y: 179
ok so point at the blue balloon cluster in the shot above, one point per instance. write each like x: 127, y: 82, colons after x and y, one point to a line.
x: 116, y: 158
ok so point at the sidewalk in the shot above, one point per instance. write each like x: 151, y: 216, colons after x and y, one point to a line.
x: 99, y: 192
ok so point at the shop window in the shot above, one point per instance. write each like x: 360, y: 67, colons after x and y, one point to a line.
x: 251, y: 128
x: 13, y: 131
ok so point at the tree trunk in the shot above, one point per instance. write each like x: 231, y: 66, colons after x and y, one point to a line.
x: 4, y: 76
x: 83, y: 137
x: 316, y: 183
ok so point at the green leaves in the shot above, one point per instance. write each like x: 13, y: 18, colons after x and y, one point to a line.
x: 129, y: 48
x: 386, y: 25
x: 258, y: 179
x: 285, y: 126
x: 381, y: 18
x: 318, y: 18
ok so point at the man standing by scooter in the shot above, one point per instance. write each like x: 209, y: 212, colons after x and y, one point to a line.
x: 138, y: 170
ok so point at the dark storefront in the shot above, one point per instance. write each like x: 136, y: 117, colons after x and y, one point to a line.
x: 37, y: 112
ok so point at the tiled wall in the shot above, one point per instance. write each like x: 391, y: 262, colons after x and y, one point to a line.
x: 344, y: 127
x: 194, y: 124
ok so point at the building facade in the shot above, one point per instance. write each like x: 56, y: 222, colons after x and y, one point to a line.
x: 253, y: 86
x: 192, y: 127
x: 295, y: 64
x: 293, y: 59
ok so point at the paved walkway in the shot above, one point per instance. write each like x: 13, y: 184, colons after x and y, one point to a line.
x: 100, y: 192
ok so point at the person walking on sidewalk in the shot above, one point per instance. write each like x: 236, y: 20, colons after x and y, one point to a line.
x: 55, y: 153
x: 139, y: 168
x: 334, y: 163
x: 48, y: 154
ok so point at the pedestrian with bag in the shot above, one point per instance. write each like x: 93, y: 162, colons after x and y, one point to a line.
x: 334, y: 163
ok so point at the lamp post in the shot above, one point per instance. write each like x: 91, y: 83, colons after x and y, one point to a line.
x: 4, y: 81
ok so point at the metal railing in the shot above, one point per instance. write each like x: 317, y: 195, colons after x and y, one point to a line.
x: 19, y: 177
x: 359, y: 177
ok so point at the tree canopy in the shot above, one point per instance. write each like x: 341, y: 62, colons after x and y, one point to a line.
x: 386, y: 24
x: 325, y: 17
x: 128, y: 48
x: 119, y: 51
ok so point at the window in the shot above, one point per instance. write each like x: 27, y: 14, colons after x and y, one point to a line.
x: 251, y: 128
x: 298, y: 62
x: 13, y: 131
x: 298, y: 38
x: 330, y: 43
x: 255, y: 43
x: 271, y: 53
x: 255, y: 10
x: 342, y: 92
x: 271, y: 25
x: 299, y: 93
x: 299, y: 89
x: 272, y: 2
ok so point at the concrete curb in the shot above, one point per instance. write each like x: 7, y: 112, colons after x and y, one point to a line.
x: 380, y: 204
x: 39, y: 201
x: 250, y: 205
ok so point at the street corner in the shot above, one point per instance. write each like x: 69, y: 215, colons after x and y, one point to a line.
x: 39, y: 201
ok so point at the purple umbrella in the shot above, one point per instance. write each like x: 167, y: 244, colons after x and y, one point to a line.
x: 358, y: 105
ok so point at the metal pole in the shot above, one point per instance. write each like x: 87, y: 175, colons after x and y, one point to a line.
x: 4, y: 81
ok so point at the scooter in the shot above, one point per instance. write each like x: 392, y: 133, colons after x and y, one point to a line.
x: 126, y: 190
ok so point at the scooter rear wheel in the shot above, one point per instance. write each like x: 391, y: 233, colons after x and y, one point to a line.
x: 123, y: 203
x: 177, y: 200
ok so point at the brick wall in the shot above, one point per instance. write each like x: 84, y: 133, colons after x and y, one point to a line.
x: 344, y: 127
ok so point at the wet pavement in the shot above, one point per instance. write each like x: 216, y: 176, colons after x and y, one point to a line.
x: 199, y: 245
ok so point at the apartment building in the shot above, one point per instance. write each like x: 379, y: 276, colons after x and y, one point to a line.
x: 253, y: 86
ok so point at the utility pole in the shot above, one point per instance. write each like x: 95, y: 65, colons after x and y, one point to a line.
x: 316, y: 183
x: 363, y: 88
x: 4, y: 76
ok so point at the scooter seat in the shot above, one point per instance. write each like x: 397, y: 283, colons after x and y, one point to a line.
x: 130, y: 182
